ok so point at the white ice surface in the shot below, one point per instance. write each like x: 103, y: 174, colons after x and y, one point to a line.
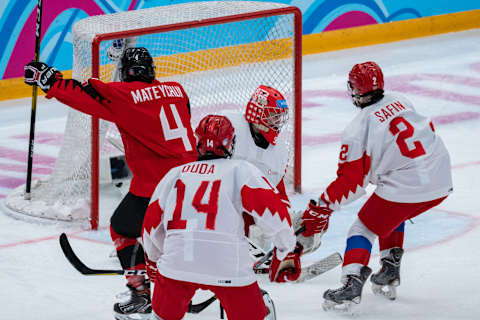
x: 440, y: 270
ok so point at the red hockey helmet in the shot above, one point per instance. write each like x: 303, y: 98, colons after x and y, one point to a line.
x: 364, y: 78
x: 268, y: 111
x: 215, y: 135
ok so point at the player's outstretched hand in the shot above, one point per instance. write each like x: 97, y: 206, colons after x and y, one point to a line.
x: 315, y: 219
x: 40, y: 74
x: 289, y: 268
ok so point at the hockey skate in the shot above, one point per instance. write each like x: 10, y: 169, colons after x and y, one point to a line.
x: 271, y: 314
x: 342, y: 299
x: 137, y: 307
x: 385, y: 281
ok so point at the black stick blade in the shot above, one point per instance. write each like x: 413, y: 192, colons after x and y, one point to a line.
x: 78, y: 264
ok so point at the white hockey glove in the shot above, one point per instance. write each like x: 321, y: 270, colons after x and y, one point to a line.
x: 115, y: 51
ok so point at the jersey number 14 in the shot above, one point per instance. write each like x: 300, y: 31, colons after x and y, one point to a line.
x: 210, y: 208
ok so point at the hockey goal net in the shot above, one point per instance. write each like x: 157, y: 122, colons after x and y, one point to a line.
x: 220, y: 51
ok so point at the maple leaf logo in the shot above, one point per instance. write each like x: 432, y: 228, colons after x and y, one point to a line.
x: 262, y: 200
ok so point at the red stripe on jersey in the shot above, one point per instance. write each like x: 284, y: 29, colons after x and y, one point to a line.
x: 153, y: 217
x: 350, y: 176
x: 360, y: 255
x: 259, y: 200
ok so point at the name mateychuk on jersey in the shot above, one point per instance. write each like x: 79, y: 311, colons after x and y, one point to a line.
x: 153, y: 93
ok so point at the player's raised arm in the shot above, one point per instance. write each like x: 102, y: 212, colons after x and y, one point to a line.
x: 82, y: 97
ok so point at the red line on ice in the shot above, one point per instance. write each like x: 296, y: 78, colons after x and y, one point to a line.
x: 474, y: 222
x: 54, y: 237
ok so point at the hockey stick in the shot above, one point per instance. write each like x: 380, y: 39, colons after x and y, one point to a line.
x: 199, y: 307
x: 314, y: 270
x: 31, y: 139
x: 269, y: 254
x: 83, y: 269
x: 320, y: 267
x: 116, y: 144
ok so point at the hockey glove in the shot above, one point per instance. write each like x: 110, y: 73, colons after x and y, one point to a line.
x: 40, y: 74
x: 152, y: 270
x: 115, y: 51
x: 315, y: 219
x: 288, y: 269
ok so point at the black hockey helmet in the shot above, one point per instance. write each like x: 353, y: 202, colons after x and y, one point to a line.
x: 137, y: 65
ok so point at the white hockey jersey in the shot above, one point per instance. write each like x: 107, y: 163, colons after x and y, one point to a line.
x: 271, y: 161
x: 393, y: 147
x: 194, y: 227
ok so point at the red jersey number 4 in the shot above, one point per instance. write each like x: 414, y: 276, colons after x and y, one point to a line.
x: 179, y: 132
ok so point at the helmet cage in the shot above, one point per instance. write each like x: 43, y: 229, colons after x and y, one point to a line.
x: 267, y: 110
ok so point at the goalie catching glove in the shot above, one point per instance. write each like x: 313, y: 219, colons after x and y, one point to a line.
x: 315, y: 219
x: 40, y: 74
x: 289, y: 268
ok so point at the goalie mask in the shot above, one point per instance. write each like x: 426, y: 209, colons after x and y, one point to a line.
x: 137, y: 65
x: 215, y: 136
x: 365, y: 83
x: 267, y: 110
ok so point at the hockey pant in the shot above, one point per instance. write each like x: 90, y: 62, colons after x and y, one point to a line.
x: 382, y: 218
x: 171, y: 299
x: 125, y: 228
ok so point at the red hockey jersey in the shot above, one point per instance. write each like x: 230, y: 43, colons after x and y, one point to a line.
x: 153, y: 120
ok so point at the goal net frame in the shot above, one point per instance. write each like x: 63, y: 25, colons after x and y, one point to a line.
x: 193, y: 24
x: 220, y: 57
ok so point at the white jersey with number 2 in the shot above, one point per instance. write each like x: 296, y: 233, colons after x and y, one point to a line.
x: 194, y: 227
x: 395, y: 148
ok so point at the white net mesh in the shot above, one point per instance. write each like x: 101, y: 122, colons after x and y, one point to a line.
x: 219, y: 65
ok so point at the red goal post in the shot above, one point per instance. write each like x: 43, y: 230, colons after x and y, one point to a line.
x: 220, y: 51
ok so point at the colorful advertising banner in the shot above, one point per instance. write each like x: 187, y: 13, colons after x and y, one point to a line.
x: 17, y: 22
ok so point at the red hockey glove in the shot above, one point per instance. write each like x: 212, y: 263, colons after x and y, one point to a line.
x: 315, y: 219
x: 40, y: 74
x: 152, y: 270
x: 288, y: 269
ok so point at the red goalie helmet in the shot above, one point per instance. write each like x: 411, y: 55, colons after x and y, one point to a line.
x: 268, y: 111
x: 215, y: 135
x: 364, y: 78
